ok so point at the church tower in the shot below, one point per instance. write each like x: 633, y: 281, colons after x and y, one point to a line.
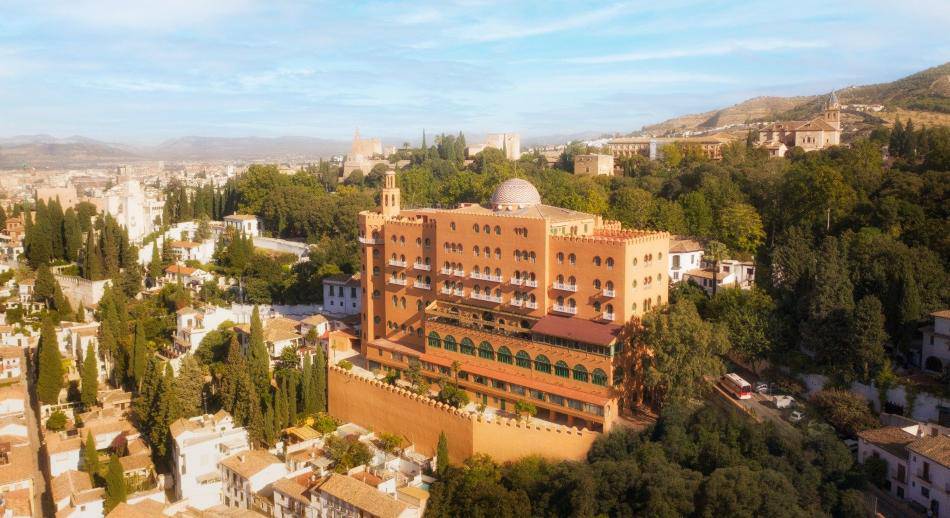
x: 390, y: 195
x: 832, y: 111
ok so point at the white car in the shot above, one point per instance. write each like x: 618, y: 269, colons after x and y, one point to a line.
x: 761, y: 387
x: 796, y: 416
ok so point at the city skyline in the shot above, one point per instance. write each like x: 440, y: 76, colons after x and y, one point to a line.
x: 142, y: 75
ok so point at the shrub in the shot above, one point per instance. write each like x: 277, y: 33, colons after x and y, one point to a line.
x: 345, y: 364
x: 846, y: 412
x: 56, y: 421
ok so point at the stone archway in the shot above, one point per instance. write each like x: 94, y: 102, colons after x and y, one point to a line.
x: 933, y: 364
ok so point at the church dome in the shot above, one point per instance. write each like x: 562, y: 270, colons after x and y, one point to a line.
x: 515, y: 194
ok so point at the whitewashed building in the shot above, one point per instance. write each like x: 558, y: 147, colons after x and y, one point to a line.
x: 198, y: 444
x: 342, y: 294
x: 685, y: 255
x: 935, y: 347
x: 245, y: 474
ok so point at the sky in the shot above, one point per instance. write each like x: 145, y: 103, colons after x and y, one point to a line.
x: 141, y: 72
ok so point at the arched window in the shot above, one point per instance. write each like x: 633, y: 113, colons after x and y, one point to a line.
x: 434, y: 340
x: 449, y: 343
x: 580, y: 373
x: 497, y: 230
x: 395, y: 298
x: 467, y: 347
x: 572, y: 259
x: 571, y: 303
x: 599, y: 377
x: 610, y: 262
x: 597, y: 284
x: 596, y: 260
x: 486, y: 351
x: 497, y: 272
x: 498, y: 253
x: 560, y: 258
x: 561, y: 369
x: 571, y: 281
x: 542, y: 364
x: 560, y: 279
x: 476, y: 270
x: 476, y: 228
x: 487, y: 229
x: 596, y: 305
x: 532, y: 257
x: 504, y: 355
x: 610, y: 308
x: 523, y: 360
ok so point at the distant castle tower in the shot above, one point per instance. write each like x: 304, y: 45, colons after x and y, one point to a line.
x: 832, y: 111
x: 390, y: 195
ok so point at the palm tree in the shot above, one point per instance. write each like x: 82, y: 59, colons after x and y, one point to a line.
x: 717, y: 252
x: 456, y: 365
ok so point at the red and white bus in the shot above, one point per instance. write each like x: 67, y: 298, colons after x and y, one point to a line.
x: 737, y: 386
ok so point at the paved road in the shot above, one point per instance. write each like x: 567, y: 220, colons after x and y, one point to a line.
x: 42, y: 500
x: 760, y: 407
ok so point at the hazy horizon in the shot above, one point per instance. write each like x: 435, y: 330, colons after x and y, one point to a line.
x: 140, y: 75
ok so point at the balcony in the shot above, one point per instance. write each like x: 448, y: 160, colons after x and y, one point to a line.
x: 487, y: 277
x: 607, y: 316
x: 565, y: 309
x: 459, y: 292
x: 565, y: 287
x: 486, y: 298
x: 516, y: 281
x: 530, y: 283
x: 423, y: 267
x: 531, y: 305
x: 446, y: 291
x: 369, y: 241
x: 516, y: 303
x: 446, y: 271
x: 401, y: 282
x: 422, y: 285
x: 397, y: 262
x: 610, y: 293
x: 459, y: 273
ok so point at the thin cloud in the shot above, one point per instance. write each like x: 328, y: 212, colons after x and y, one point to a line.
x: 164, y: 16
x: 496, y: 31
x: 754, y: 46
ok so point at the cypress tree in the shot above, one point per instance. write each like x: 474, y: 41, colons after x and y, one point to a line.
x: 234, y: 368
x: 148, y: 392
x: 281, y: 416
x: 72, y: 235
x: 869, y: 336
x: 90, y: 378
x: 80, y: 313
x: 188, y: 387
x: 90, y: 457
x: 290, y: 392
x: 139, y: 354
x: 319, y: 383
x: 131, y: 271
x: 50, y: 370
x: 91, y: 260
x: 442, y: 454
x: 269, y: 424
x: 258, y: 359
x: 155, y: 264
x: 164, y: 413
x: 45, y: 284
x: 55, y: 215
x: 307, y: 406
x: 115, y: 484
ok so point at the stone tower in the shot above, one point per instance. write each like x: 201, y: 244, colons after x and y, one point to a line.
x: 390, y: 195
x: 832, y: 111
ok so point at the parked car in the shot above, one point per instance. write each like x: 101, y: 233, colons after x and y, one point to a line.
x: 796, y: 416
x: 784, y: 401
x: 762, y: 387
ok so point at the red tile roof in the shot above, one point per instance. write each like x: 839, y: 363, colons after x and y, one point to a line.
x: 578, y: 329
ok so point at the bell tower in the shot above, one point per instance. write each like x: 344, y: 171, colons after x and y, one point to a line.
x: 832, y: 111
x: 390, y: 196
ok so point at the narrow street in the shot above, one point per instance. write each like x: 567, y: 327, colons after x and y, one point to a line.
x: 42, y: 501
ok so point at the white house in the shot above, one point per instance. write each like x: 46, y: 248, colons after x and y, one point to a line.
x: 13, y: 400
x: 685, y: 254
x: 11, y: 362
x: 192, y: 325
x: 279, y: 333
x: 342, y: 294
x: 243, y: 223
x: 198, y: 445
x: 190, y: 277
x: 731, y: 273
x: 344, y: 496
x: 203, y: 251
x: 917, y: 456
x: 246, y: 473
x: 63, y: 452
x: 935, y: 347
x: 74, y: 496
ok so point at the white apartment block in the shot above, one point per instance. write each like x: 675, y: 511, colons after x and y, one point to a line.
x: 243, y: 223
x: 245, y: 474
x: 731, y: 274
x: 935, y: 347
x: 192, y: 325
x: 198, y: 445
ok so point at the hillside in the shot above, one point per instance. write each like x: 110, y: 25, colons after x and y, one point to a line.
x: 249, y: 148
x: 47, y: 151
x: 924, y: 96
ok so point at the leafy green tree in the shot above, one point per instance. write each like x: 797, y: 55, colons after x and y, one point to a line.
x: 846, y: 412
x: 740, y: 228
x: 90, y: 378
x: 685, y: 349
x: 716, y: 252
x: 739, y: 491
x: 56, y: 421
x: 869, y: 337
x: 115, y: 484
x: 50, y: 370
x: 748, y: 319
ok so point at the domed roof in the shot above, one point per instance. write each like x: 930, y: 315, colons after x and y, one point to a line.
x: 515, y: 194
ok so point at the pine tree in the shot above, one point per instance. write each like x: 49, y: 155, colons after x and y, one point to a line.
x: 115, y: 484
x: 90, y: 378
x: 139, y: 354
x: 90, y: 457
x: 258, y: 360
x: 442, y: 454
x: 319, y: 383
x: 50, y: 370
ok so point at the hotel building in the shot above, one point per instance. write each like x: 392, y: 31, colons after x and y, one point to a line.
x: 528, y: 298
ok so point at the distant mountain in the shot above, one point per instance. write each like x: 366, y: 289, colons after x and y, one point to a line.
x: 246, y: 148
x: 924, y: 96
x: 48, y: 151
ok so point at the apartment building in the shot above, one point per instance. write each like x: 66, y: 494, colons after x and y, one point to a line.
x: 245, y: 474
x: 341, y: 294
x: 198, y: 444
x: 530, y: 298
x: 594, y: 165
